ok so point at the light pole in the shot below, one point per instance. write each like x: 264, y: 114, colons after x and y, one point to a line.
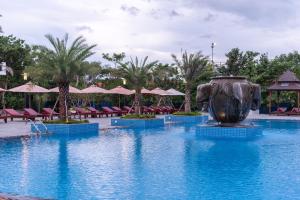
x: 213, y: 44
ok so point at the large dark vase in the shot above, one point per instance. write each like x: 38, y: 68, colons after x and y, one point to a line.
x: 228, y: 98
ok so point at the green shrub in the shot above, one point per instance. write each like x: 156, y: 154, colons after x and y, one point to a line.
x: 136, y: 116
x: 70, y: 121
x: 187, y: 113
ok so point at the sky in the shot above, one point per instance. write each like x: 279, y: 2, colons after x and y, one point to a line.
x: 158, y: 28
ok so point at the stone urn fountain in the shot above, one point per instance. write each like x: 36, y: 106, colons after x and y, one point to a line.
x: 228, y: 99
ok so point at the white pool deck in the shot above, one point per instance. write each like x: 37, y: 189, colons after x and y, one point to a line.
x: 19, y: 128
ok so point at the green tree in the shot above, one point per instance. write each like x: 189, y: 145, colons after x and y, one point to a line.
x: 164, y: 75
x: 136, y: 72
x: 191, y: 66
x: 115, y: 57
x: 16, y: 53
x: 239, y: 63
x: 88, y: 73
x: 63, y: 63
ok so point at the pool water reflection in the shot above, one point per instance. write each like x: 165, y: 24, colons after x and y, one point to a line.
x: 171, y: 162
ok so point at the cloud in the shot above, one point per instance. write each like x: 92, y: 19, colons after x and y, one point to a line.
x: 160, y: 27
x: 259, y: 13
x: 209, y: 17
x: 174, y: 13
x: 132, y: 10
x: 84, y: 28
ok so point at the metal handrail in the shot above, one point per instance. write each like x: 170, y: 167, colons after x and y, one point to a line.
x: 43, y: 125
x: 35, y: 126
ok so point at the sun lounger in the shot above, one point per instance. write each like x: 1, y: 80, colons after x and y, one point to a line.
x: 119, y: 110
x: 107, y: 111
x: 148, y: 110
x: 29, y: 113
x: 280, y: 111
x: 128, y: 109
x: 95, y: 112
x: 48, y: 113
x: 294, y: 112
x: 157, y: 110
x: 82, y: 112
x: 12, y: 114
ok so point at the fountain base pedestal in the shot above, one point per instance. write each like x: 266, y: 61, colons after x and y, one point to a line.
x: 224, y: 131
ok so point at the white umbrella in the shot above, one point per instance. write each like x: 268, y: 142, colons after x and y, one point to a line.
x: 174, y: 92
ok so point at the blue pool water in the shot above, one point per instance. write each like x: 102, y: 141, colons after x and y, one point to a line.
x: 173, y: 162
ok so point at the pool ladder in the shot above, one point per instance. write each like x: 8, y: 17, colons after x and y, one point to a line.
x: 34, y: 123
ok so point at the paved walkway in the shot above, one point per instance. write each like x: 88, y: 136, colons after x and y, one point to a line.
x: 19, y: 128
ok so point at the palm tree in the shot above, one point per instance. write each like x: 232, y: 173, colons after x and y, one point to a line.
x: 190, y: 66
x: 136, y: 72
x: 64, y: 63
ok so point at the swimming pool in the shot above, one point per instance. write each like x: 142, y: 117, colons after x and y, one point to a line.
x: 172, y: 162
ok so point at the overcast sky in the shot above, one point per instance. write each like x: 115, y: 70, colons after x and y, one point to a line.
x: 159, y: 27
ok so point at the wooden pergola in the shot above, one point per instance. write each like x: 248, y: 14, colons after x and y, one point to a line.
x: 288, y: 81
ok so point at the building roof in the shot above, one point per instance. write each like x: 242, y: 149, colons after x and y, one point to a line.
x: 288, y: 81
x: 288, y: 76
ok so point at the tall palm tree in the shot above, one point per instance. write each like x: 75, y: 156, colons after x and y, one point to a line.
x: 190, y: 66
x: 136, y: 72
x: 64, y: 62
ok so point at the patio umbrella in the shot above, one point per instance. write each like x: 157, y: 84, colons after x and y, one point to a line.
x: 29, y: 88
x: 174, y: 92
x: 165, y: 93
x: 160, y: 92
x: 72, y: 90
x: 93, y: 89
x: 144, y: 91
x: 120, y: 91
